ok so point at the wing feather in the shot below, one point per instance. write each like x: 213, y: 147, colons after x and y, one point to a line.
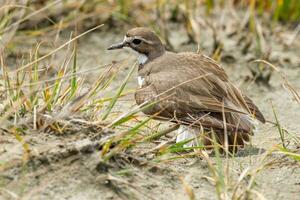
x: 213, y: 92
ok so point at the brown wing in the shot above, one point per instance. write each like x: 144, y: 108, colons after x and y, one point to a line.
x: 194, y: 86
x: 254, y: 111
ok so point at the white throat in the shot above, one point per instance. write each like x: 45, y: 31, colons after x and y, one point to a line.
x: 142, y: 59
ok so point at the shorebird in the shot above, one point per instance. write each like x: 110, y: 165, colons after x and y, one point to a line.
x: 192, y: 90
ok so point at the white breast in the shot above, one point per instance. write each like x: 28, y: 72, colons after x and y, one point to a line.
x: 140, y: 81
x: 142, y: 59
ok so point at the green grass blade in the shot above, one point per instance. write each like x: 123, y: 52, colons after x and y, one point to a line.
x: 73, y: 80
x: 119, y: 92
x: 280, y: 130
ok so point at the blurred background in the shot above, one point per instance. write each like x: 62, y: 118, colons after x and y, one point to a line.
x: 258, y: 28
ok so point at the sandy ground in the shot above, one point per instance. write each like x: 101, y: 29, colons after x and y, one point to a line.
x: 70, y: 166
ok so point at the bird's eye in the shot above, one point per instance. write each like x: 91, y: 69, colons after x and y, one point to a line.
x: 136, y: 41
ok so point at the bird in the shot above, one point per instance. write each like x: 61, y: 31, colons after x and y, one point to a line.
x: 191, y: 90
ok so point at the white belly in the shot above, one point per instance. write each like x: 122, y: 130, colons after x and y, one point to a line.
x: 186, y: 133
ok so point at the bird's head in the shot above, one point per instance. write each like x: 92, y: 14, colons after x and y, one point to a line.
x: 142, y: 40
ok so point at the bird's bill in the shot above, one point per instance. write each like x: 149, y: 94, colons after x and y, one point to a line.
x: 117, y: 46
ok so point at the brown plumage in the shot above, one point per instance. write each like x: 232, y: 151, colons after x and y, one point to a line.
x: 190, y: 89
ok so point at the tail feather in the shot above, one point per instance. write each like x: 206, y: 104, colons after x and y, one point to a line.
x: 254, y: 110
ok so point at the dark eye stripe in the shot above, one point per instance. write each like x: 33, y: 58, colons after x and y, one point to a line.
x: 136, y: 41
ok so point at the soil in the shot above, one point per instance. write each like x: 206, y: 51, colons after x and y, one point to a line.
x: 69, y: 166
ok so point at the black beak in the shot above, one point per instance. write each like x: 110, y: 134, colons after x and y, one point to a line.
x: 118, y: 46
